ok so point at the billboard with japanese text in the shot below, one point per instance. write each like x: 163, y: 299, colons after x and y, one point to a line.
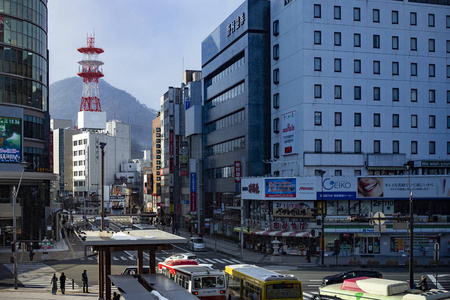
x: 10, y: 139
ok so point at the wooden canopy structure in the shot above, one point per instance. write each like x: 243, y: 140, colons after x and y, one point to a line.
x: 105, y: 242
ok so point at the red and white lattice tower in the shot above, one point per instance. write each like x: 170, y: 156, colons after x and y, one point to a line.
x: 90, y: 70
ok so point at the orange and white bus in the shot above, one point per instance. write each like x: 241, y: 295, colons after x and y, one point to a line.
x: 203, y: 282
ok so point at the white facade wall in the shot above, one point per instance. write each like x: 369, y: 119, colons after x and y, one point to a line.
x: 297, y: 78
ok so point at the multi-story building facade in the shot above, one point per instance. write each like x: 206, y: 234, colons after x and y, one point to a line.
x: 360, y: 90
x: 236, y: 99
x: 24, y: 115
x: 87, y: 159
x: 155, y: 181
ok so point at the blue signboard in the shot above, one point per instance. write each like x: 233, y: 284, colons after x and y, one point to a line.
x: 193, y: 183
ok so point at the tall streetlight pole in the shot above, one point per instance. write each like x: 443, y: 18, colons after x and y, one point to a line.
x: 411, y: 229
x: 322, y: 236
x: 102, y: 209
x: 15, y: 192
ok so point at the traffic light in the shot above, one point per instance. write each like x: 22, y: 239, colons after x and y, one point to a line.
x: 337, y: 246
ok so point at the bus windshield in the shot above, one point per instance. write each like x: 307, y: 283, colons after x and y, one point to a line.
x: 283, y: 291
x: 209, y: 282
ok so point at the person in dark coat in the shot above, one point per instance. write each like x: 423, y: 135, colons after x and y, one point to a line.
x: 423, y: 284
x: 31, y: 254
x: 54, y: 283
x: 308, y: 254
x: 84, y: 278
x: 62, y: 282
x: 116, y: 296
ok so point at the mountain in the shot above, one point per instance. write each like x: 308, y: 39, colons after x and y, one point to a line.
x: 65, y: 100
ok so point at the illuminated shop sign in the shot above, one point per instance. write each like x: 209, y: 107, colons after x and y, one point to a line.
x: 10, y: 139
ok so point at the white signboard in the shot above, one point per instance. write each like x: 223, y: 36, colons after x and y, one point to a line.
x: 288, y: 133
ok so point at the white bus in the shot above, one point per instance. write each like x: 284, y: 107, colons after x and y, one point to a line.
x: 364, y: 288
x: 98, y: 223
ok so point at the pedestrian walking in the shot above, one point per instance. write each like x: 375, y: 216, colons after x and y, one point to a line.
x: 308, y: 254
x: 62, y: 283
x: 31, y: 254
x: 54, y: 283
x: 84, y: 278
x: 116, y: 296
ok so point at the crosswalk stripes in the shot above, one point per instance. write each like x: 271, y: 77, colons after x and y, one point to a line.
x: 36, y: 275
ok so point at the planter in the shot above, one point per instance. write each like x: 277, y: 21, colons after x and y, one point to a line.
x: 373, y: 262
x: 392, y: 262
x: 354, y: 262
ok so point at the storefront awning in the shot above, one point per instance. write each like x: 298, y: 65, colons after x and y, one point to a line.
x: 275, y: 233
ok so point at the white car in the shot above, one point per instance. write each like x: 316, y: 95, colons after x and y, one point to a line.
x: 189, y: 256
x: 196, y: 243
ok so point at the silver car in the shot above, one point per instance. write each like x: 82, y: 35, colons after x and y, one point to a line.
x: 196, y: 244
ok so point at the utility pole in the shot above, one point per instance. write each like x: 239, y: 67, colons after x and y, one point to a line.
x: 322, y: 237
x: 102, y: 209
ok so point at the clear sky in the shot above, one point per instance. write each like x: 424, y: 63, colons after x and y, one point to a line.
x: 145, y: 41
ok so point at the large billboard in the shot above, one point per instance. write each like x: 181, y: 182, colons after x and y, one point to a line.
x: 10, y: 139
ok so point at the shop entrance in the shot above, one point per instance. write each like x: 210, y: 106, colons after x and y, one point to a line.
x: 369, y: 245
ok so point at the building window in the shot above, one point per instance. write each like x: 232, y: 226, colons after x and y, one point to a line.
x: 318, y: 118
x: 337, y: 92
x: 357, y: 92
x: 376, y: 41
x: 317, y: 146
x: 394, y: 17
x: 413, y: 121
x: 357, y: 66
x: 337, y: 119
x: 413, y: 19
x: 395, y: 120
x: 376, y: 120
x: 432, y: 122
x: 376, y: 67
x: 276, y: 150
x: 376, y: 15
x: 357, y: 40
x: 448, y: 147
x: 357, y: 119
x: 447, y: 18
x: 337, y: 146
x: 317, y: 91
x: 337, y: 172
x: 448, y: 96
x: 413, y: 95
x: 430, y: 20
x: 395, y: 94
x: 376, y: 93
x: 432, y: 96
x: 337, y: 65
x: 448, y: 122
x: 395, y: 147
x: 356, y: 14
x: 317, y: 64
x: 413, y: 44
x: 448, y: 71
x: 431, y: 45
x: 357, y: 173
x: 337, y: 38
x: 413, y: 147
x: 376, y: 146
x: 276, y: 27
x: 413, y: 69
x: 395, y: 68
x: 448, y: 46
x: 276, y: 51
x: 75, y: 143
x: 395, y: 43
x: 276, y: 76
x: 432, y: 147
x: 317, y: 37
x: 276, y: 100
x: 276, y: 125
x: 317, y: 11
x: 431, y: 70
x: 357, y: 146
x: 337, y: 12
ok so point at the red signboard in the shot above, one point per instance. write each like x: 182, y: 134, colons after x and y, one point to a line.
x: 194, y: 202
x: 184, y: 173
x: 237, y: 171
x: 171, y: 146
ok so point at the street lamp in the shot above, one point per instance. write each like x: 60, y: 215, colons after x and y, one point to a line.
x: 411, y: 229
x: 15, y: 192
x: 322, y: 237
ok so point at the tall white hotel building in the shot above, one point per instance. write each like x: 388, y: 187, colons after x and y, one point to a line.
x: 364, y: 86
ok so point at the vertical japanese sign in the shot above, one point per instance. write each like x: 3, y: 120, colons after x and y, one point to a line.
x: 288, y: 135
x: 193, y: 192
x: 237, y: 171
x: 171, y: 151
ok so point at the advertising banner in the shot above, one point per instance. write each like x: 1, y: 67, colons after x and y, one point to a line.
x: 337, y: 188
x: 252, y: 188
x: 292, y: 209
x: 10, y: 139
x: 280, y: 188
x: 288, y: 135
x: 237, y: 171
x: 117, y: 192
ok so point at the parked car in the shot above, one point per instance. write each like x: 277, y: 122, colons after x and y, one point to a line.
x: 196, y: 243
x: 182, y: 256
x: 339, y: 278
x: 133, y: 270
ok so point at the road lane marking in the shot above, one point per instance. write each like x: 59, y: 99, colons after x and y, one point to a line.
x: 228, y: 261
x: 219, y: 261
x: 115, y: 258
x: 123, y: 258
x: 433, y: 280
x: 209, y: 260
